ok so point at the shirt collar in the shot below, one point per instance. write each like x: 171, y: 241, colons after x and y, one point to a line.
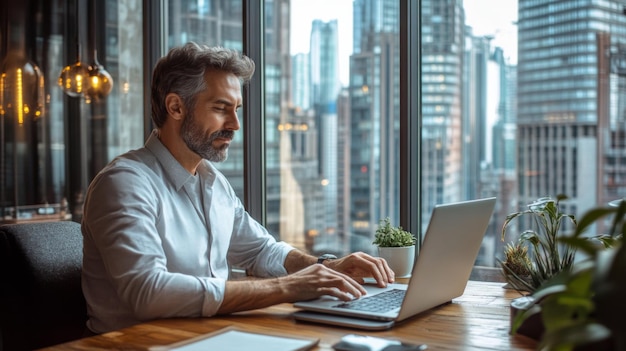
x: 177, y: 174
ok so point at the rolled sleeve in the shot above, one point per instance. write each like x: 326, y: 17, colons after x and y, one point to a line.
x: 213, y: 296
x: 272, y: 263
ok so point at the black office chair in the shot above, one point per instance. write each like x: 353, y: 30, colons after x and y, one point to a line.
x: 41, y: 300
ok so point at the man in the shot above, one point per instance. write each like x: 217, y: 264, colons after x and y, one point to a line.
x: 162, y: 226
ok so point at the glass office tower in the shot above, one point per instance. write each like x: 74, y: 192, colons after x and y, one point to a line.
x: 374, y: 111
x: 571, y: 122
x: 324, y: 88
x: 443, y: 40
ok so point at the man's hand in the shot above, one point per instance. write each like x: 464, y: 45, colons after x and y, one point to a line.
x: 309, y: 283
x: 360, y: 265
x: 317, y: 280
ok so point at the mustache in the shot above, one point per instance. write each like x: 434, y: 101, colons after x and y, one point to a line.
x: 226, y: 134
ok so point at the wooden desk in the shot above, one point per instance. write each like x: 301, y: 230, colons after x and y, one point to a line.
x: 478, y: 320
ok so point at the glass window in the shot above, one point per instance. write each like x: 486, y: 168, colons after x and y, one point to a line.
x: 552, y: 101
x: 342, y: 105
x: 57, y: 132
x: 484, y: 112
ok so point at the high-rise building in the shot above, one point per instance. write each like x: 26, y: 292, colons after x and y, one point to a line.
x: 325, y: 87
x: 501, y: 181
x: 343, y: 169
x: 301, y: 197
x: 571, y: 124
x: 374, y: 111
x: 443, y: 40
x: 504, y: 151
x: 474, y: 109
x: 324, y: 64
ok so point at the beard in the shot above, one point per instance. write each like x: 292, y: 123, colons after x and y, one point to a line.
x: 198, y: 142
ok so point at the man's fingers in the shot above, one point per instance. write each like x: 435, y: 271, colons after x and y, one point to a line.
x: 352, y: 286
x: 342, y: 295
x: 389, y: 275
x: 331, y: 282
x: 378, y: 268
x: 382, y: 274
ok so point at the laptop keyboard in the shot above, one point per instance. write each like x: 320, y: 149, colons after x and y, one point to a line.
x: 383, y: 302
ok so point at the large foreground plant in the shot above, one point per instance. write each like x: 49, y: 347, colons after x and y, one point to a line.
x: 585, y: 306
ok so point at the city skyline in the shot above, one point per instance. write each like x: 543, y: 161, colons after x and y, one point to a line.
x: 303, y: 12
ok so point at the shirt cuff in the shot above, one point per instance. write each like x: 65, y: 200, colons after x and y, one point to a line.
x: 275, y: 264
x: 213, y: 295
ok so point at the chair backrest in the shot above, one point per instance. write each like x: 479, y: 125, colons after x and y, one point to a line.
x: 41, y: 299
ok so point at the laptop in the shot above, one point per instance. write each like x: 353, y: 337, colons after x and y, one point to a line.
x: 440, y: 273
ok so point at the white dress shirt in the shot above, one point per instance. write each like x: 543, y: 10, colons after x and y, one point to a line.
x: 158, y: 241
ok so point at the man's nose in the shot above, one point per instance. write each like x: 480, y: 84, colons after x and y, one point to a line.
x: 233, y: 121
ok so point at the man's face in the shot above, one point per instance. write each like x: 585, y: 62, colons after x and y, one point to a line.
x: 209, y: 128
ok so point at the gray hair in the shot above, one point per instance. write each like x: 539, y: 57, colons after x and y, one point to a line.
x: 182, y: 72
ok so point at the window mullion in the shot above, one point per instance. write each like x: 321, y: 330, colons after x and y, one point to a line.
x: 254, y: 112
x: 410, y: 117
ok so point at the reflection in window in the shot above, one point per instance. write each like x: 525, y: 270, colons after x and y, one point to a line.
x: 49, y: 159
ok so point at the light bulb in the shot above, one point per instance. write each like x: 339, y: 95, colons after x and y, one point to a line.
x: 100, y: 82
x: 74, y: 79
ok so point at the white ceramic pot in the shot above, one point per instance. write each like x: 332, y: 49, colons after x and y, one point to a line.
x: 399, y: 259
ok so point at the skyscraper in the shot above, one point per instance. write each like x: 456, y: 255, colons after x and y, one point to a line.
x: 324, y: 64
x: 325, y: 86
x: 374, y: 123
x: 443, y: 40
x: 571, y: 122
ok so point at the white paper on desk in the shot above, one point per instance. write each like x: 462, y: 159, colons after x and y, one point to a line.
x: 237, y: 340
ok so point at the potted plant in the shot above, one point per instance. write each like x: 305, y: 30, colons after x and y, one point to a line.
x: 537, y: 255
x: 396, y: 246
x: 583, y: 308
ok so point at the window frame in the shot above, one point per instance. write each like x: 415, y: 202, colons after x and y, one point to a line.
x: 155, y: 35
x: 254, y: 172
x: 410, y: 118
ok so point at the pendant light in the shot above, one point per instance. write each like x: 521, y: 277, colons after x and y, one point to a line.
x: 100, y: 81
x: 21, y: 88
x: 21, y: 80
x: 73, y: 78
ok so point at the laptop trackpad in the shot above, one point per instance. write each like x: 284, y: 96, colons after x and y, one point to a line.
x: 342, y: 321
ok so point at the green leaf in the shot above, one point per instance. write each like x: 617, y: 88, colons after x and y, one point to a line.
x: 591, y: 217
x: 544, y: 292
x: 576, y: 334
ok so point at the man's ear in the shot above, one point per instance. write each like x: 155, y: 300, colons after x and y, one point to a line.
x: 174, y: 106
